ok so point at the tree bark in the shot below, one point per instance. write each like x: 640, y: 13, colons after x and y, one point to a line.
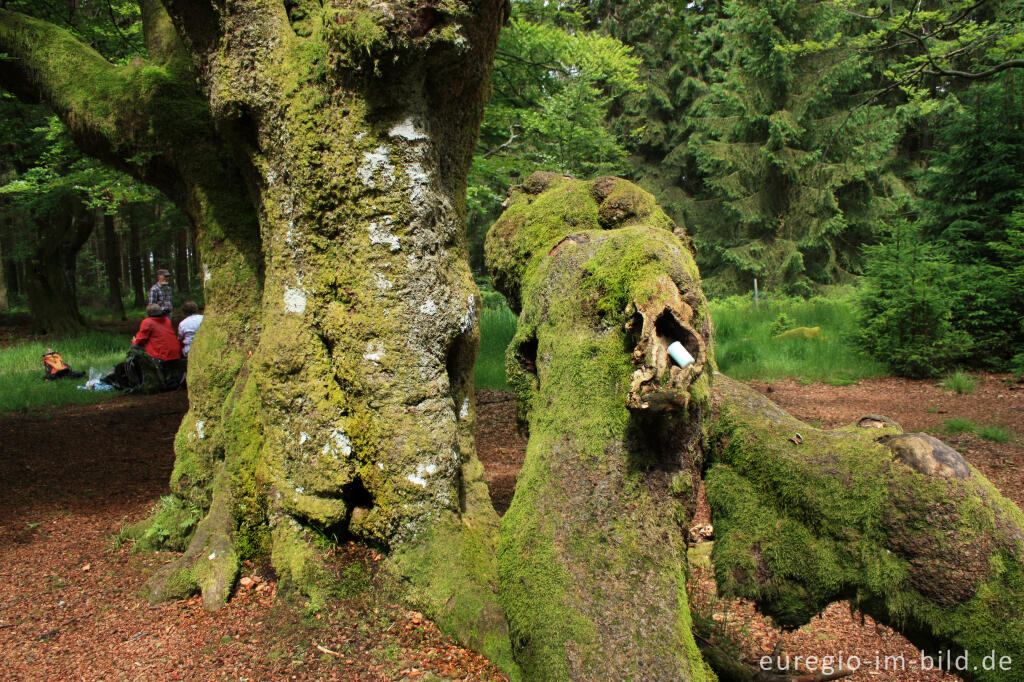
x: 112, y: 263
x: 898, y: 523
x: 50, y: 286
x: 352, y: 136
x: 135, y: 264
x: 593, y: 547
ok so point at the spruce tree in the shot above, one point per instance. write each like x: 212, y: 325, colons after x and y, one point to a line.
x: 794, y: 164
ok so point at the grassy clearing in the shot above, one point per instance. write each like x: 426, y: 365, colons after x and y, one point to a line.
x: 21, y: 370
x: 746, y: 347
x: 960, y: 382
x: 497, y: 327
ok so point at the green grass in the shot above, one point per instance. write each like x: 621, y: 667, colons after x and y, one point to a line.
x: 992, y: 432
x: 497, y: 327
x: 21, y: 371
x: 960, y: 382
x: 960, y: 425
x: 745, y: 349
x: 998, y: 434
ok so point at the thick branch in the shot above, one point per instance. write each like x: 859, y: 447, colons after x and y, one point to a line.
x: 899, y: 523
x: 126, y: 116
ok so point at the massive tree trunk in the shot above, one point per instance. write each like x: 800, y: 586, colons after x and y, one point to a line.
x: 593, y: 550
x: 52, y: 298
x: 347, y: 131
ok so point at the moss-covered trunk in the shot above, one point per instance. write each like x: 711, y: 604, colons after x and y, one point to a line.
x: 593, y: 551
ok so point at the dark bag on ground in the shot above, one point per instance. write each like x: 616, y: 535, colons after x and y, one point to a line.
x: 140, y: 373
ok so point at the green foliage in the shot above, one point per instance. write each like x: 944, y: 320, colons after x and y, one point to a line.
x: 168, y: 527
x: 944, y: 286
x: 906, y: 320
x: 497, y: 327
x: 21, y: 370
x: 553, y: 85
x: 960, y: 382
x: 782, y: 323
x: 745, y: 347
x: 795, y: 175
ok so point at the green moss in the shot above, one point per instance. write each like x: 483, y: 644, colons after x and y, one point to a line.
x: 569, y: 556
x: 448, y: 570
x: 800, y: 526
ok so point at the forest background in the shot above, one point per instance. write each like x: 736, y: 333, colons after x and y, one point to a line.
x: 865, y: 157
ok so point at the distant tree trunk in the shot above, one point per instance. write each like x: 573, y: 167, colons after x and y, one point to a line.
x: 113, y: 266
x: 51, y: 286
x: 135, y: 264
x: 181, y: 284
x: 4, y: 303
x: 193, y: 259
x: 147, y: 273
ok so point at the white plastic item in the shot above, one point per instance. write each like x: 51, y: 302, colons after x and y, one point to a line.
x: 678, y: 353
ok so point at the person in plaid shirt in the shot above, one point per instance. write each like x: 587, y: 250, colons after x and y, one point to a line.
x: 160, y: 293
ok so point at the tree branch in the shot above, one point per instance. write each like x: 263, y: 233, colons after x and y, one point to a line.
x: 137, y: 117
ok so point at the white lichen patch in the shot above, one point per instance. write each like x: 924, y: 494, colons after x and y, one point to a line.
x: 464, y: 412
x: 199, y: 429
x: 429, y: 308
x: 374, y: 351
x: 382, y: 282
x: 469, y: 319
x: 423, y: 471
x: 303, y: 437
x: 407, y: 130
x: 377, y: 162
x: 206, y: 273
x: 380, y: 233
x: 337, y: 443
x: 419, y: 183
x: 294, y: 301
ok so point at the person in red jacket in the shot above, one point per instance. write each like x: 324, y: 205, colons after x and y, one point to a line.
x: 156, y: 336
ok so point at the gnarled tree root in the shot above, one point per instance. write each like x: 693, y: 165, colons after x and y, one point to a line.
x: 898, y: 523
x: 209, y: 565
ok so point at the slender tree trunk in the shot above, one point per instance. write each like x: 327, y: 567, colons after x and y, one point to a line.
x: 113, y: 266
x: 181, y: 283
x: 4, y: 303
x: 135, y: 264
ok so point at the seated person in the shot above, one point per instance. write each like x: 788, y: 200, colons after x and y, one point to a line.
x: 188, y: 327
x: 156, y: 336
x: 56, y: 368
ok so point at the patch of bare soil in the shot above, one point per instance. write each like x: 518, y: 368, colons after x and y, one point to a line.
x: 69, y: 604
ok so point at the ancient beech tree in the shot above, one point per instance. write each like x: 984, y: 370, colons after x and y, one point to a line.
x: 320, y: 150
x: 592, y: 558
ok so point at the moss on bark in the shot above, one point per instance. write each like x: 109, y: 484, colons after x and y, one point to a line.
x: 840, y: 516
x: 592, y: 559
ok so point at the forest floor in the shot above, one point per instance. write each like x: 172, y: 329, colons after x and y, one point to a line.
x: 68, y: 593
